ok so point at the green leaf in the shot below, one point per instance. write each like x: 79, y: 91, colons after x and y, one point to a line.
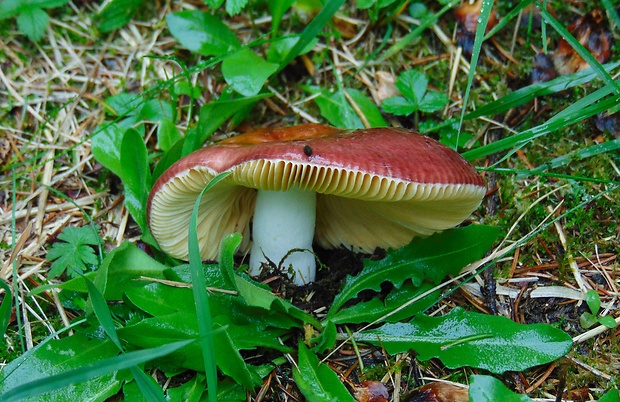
x: 234, y: 7
x: 611, y: 396
x: 339, y: 112
x: 246, y: 72
x: 280, y: 47
x: 312, y: 30
x: 484, y: 388
x: 9, y: 8
x: 430, y: 258
x: 167, y: 135
x: 57, y: 357
x: 213, y: 115
x: 412, y: 85
x: 202, y: 33
x: 5, y: 308
x: 399, y: 106
x: 89, y: 362
x: 106, y: 147
x: 136, y: 176
x: 433, y: 101
x: 462, y: 338
x: 593, y: 300
x: 277, y: 9
x: 607, y: 321
x: 32, y: 22
x: 317, y: 382
x: 74, y: 254
x: 117, y: 14
x: 376, y: 308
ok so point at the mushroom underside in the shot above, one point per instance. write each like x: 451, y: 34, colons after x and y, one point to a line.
x: 350, y: 222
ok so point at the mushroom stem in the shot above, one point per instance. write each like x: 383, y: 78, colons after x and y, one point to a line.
x: 283, y: 230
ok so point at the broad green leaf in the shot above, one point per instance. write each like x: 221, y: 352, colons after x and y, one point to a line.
x: 246, y: 72
x: 376, y: 308
x: 338, y: 111
x: 136, y: 176
x: 42, y: 3
x: 90, y: 363
x: 484, y: 388
x: 155, y: 110
x: 430, y: 258
x: 593, y: 300
x: 461, y: 338
x: 412, y: 85
x: 167, y: 135
x: 202, y: 33
x: 60, y: 356
x: 9, y: 8
x: 234, y: 7
x: 399, y: 106
x: 611, y: 396
x: 106, y: 147
x: 117, y: 14
x: 213, y: 115
x: 74, y: 253
x: 317, y: 382
x: 32, y: 22
x: 433, y: 101
x: 191, y: 391
x: 607, y: 321
x: 369, y: 110
x: 157, y: 299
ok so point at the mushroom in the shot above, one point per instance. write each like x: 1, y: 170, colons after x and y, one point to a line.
x: 359, y: 189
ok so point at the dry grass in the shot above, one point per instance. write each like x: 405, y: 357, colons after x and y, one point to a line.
x: 52, y: 98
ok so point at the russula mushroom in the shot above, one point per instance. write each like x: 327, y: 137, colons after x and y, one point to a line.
x: 359, y: 189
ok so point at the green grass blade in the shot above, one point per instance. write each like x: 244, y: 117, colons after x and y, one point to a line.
x: 120, y: 362
x: 521, y: 139
x: 526, y: 173
x: 149, y: 389
x: 507, y: 18
x: 527, y: 94
x: 582, y: 51
x: 583, y: 153
x: 311, y: 31
x: 5, y: 308
x: 485, y: 13
x: 611, y: 12
x: 203, y: 311
x: 407, y: 39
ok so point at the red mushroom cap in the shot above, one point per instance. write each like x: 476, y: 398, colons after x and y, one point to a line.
x: 375, y: 187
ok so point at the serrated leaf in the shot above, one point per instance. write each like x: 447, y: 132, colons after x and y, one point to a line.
x: 430, y: 258
x: 32, y: 22
x: 234, y: 7
x: 399, y: 106
x: 317, y: 382
x: 202, y: 33
x: 433, y: 101
x: 246, y: 72
x: 412, y: 85
x: 74, y: 254
x: 461, y: 338
x: 484, y: 388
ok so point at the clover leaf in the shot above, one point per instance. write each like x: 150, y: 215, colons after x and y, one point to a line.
x: 413, y: 85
